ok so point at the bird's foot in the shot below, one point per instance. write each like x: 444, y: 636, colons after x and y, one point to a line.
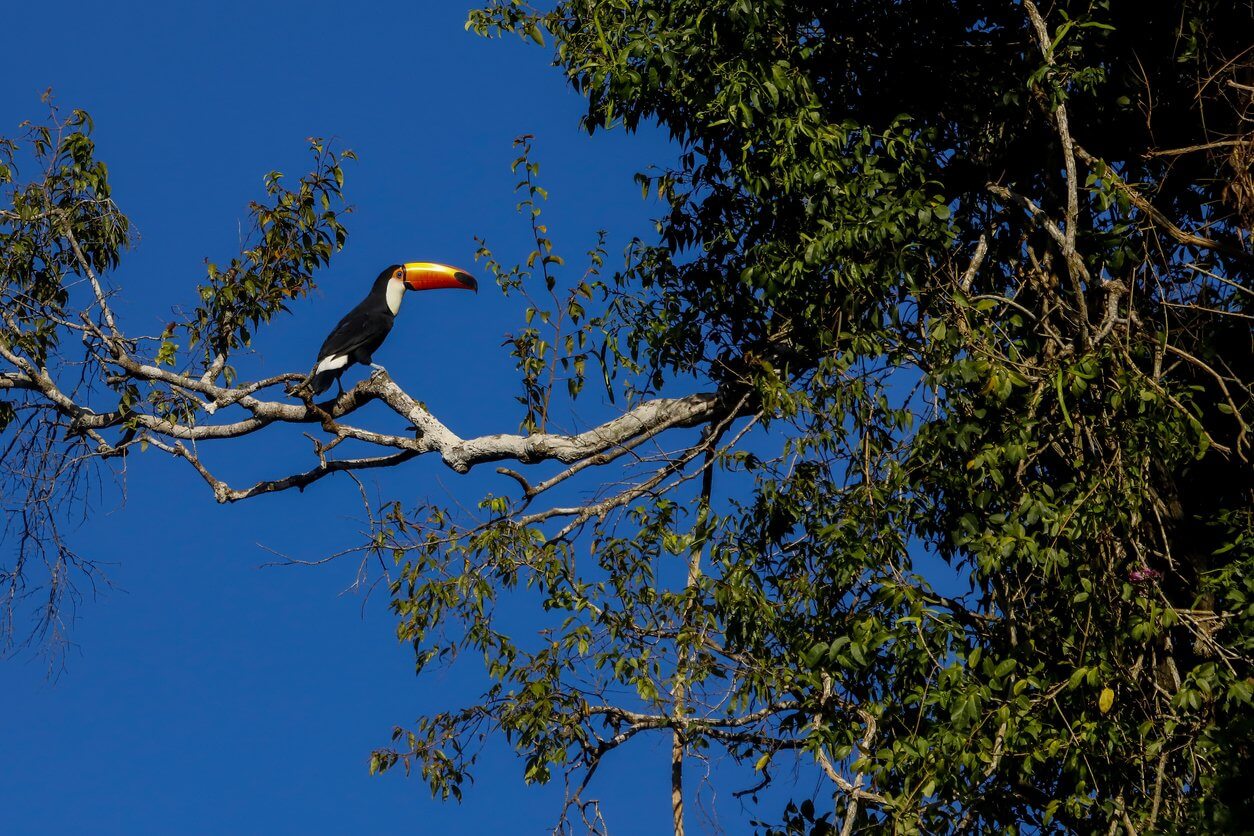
x: 378, y: 369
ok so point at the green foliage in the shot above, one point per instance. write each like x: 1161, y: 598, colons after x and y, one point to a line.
x: 61, y: 245
x: 57, y: 225
x: 969, y: 537
x: 71, y: 201
x: 554, y: 343
x: 295, y: 232
x: 973, y: 365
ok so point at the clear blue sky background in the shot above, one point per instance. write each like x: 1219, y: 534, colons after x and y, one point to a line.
x: 205, y: 694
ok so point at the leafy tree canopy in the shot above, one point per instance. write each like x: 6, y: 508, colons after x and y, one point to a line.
x: 958, y: 294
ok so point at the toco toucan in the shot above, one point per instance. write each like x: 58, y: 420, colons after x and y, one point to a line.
x: 363, y: 330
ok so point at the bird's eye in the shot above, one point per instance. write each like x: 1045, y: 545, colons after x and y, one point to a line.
x: 399, y: 274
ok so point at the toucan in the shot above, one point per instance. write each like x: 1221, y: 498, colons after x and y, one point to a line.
x: 362, y: 331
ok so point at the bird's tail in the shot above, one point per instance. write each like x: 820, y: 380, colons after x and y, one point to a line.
x: 320, y: 382
x: 313, y: 385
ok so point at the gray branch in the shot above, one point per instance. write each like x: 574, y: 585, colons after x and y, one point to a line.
x: 429, y: 433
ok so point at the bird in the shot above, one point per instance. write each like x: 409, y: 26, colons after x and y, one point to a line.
x: 360, y: 333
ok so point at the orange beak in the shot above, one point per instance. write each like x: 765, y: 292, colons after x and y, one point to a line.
x: 427, y: 275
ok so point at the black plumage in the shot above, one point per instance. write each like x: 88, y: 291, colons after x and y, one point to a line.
x: 358, y: 335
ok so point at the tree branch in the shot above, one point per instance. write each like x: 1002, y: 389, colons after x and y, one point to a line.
x: 598, y: 445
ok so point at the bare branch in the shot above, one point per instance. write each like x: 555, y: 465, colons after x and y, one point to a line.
x: 115, y: 336
x: 856, y: 793
x: 981, y: 249
x: 598, y: 445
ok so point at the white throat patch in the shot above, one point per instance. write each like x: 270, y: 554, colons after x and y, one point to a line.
x: 396, y: 292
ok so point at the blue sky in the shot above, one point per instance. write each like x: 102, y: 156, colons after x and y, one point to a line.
x: 204, y: 693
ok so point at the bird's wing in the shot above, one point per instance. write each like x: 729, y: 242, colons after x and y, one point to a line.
x: 353, y: 331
